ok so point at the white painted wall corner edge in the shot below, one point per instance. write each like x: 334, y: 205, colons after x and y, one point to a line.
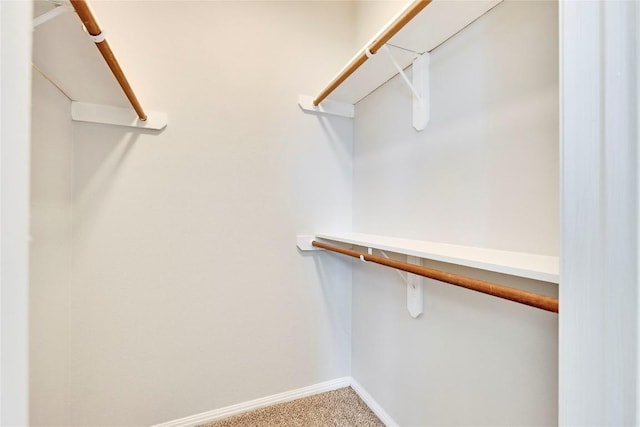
x: 241, y: 408
x: 372, y: 404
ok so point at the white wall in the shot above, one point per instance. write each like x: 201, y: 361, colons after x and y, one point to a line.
x: 484, y: 173
x: 371, y: 16
x: 15, y: 93
x: 188, y: 293
x: 50, y: 254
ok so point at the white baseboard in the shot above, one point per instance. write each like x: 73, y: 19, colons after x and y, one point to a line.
x: 228, y: 411
x: 372, y: 404
x: 241, y: 408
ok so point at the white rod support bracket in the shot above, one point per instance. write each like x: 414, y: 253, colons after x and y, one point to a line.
x: 108, y: 115
x: 415, y: 290
x: 326, y: 107
x: 98, y: 38
x: 303, y: 242
x: 411, y: 86
x: 421, y: 105
x: 419, y: 87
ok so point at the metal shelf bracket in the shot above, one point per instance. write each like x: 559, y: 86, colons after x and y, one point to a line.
x: 328, y: 107
x: 419, y: 87
x: 415, y: 287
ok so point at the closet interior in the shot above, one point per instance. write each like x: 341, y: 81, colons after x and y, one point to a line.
x: 185, y: 270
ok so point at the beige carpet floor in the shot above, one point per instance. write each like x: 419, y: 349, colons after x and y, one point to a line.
x: 338, y: 408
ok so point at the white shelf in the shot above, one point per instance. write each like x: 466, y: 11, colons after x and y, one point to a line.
x: 439, y: 21
x: 538, y: 267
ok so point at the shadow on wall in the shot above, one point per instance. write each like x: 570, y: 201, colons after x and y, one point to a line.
x: 326, y: 264
x: 100, y: 156
x: 478, y: 90
x: 334, y: 138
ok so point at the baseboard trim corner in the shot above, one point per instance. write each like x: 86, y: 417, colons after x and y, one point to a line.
x: 228, y: 411
x: 372, y: 404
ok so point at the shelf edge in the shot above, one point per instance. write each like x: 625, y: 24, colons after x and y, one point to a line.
x: 545, y: 275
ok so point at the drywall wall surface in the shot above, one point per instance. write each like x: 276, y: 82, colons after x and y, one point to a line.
x: 371, y: 16
x: 15, y: 95
x: 484, y: 173
x: 49, y: 253
x: 189, y: 293
x: 485, y: 170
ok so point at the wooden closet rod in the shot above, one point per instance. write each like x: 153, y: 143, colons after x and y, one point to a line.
x: 523, y: 297
x: 396, y: 26
x: 92, y: 27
